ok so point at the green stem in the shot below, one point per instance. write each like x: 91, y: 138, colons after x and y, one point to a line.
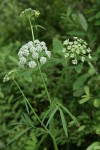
x: 53, y: 133
x: 44, y: 83
x: 31, y: 106
x: 31, y: 29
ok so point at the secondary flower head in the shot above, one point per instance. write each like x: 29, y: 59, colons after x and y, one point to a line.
x: 76, y: 50
x: 32, y: 52
x: 9, y: 75
x: 29, y: 13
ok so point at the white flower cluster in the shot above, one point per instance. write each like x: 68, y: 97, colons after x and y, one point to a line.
x: 31, y: 52
x: 9, y: 75
x: 76, y: 50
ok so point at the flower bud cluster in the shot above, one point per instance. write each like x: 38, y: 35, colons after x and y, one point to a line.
x: 32, y: 52
x: 29, y: 13
x: 9, y: 75
x: 76, y: 50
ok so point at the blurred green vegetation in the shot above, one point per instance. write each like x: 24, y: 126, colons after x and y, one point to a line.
x: 62, y: 19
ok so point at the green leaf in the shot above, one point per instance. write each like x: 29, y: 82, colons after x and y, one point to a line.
x: 83, y: 100
x: 26, y: 105
x: 97, y: 15
x: 81, y: 128
x: 28, y: 120
x: 97, y: 23
x: 83, y: 22
x: 13, y: 59
x: 19, y: 135
x: 76, y: 33
x: 47, y: 112
x: 92, y: 70
x: 79, y: 92
x: 87, y: 90
x: 39, y: 26
x: 96, y: 103
x: 40, y: 142
x: 79, y: 68
x: 79, y: 82
x: 57, y: 45
x: 63, y: 122
x: 93, y: 145
x: 51, y: 116
x: 69, y: 113
x: 31, y: 143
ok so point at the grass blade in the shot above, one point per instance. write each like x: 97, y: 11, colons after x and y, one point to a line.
x: 69, y: 113
x: 19, y: 135
x: 48, y: 111
x: 64, y: 122
x: 51, y: 116
x: 28, y: 120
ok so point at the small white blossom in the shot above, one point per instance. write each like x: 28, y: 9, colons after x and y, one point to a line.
x: 89, y: 56
x: 25, y: 52
x: 66, y: 55
x: 84, y: 51
x: 72, y: 55
x: 24, y: 47
x: 48, y: 53
x: 64, y: 50
x: 73, y: 49
x: 32, y: 49
x: 43, y: 60
x: 35, y: 55
x: 66, y: 42
x: 74, y: 62
x: 22, y: 60
x: 6, y: 78
x: 20, y: 54
x: 75, y: 38
x: 77, y: 51
x: 69, y: 47
x: 70, y: 43
x: 88, y: 50
x: 30, y: 44
x: 43, y: 44
x: 39, y: 48
x: 36, y: 42
x: 32, y: 64
x: 82, y: 59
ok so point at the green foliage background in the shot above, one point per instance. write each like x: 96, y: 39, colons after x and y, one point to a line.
x: 62, y: 19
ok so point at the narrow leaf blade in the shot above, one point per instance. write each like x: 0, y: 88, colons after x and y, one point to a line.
x: 63, y: 122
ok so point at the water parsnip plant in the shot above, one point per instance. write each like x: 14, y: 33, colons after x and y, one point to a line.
x: 35, y: 54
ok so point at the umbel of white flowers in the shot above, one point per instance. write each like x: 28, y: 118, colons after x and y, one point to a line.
x: 76, y: 50
x: 32, y: 52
